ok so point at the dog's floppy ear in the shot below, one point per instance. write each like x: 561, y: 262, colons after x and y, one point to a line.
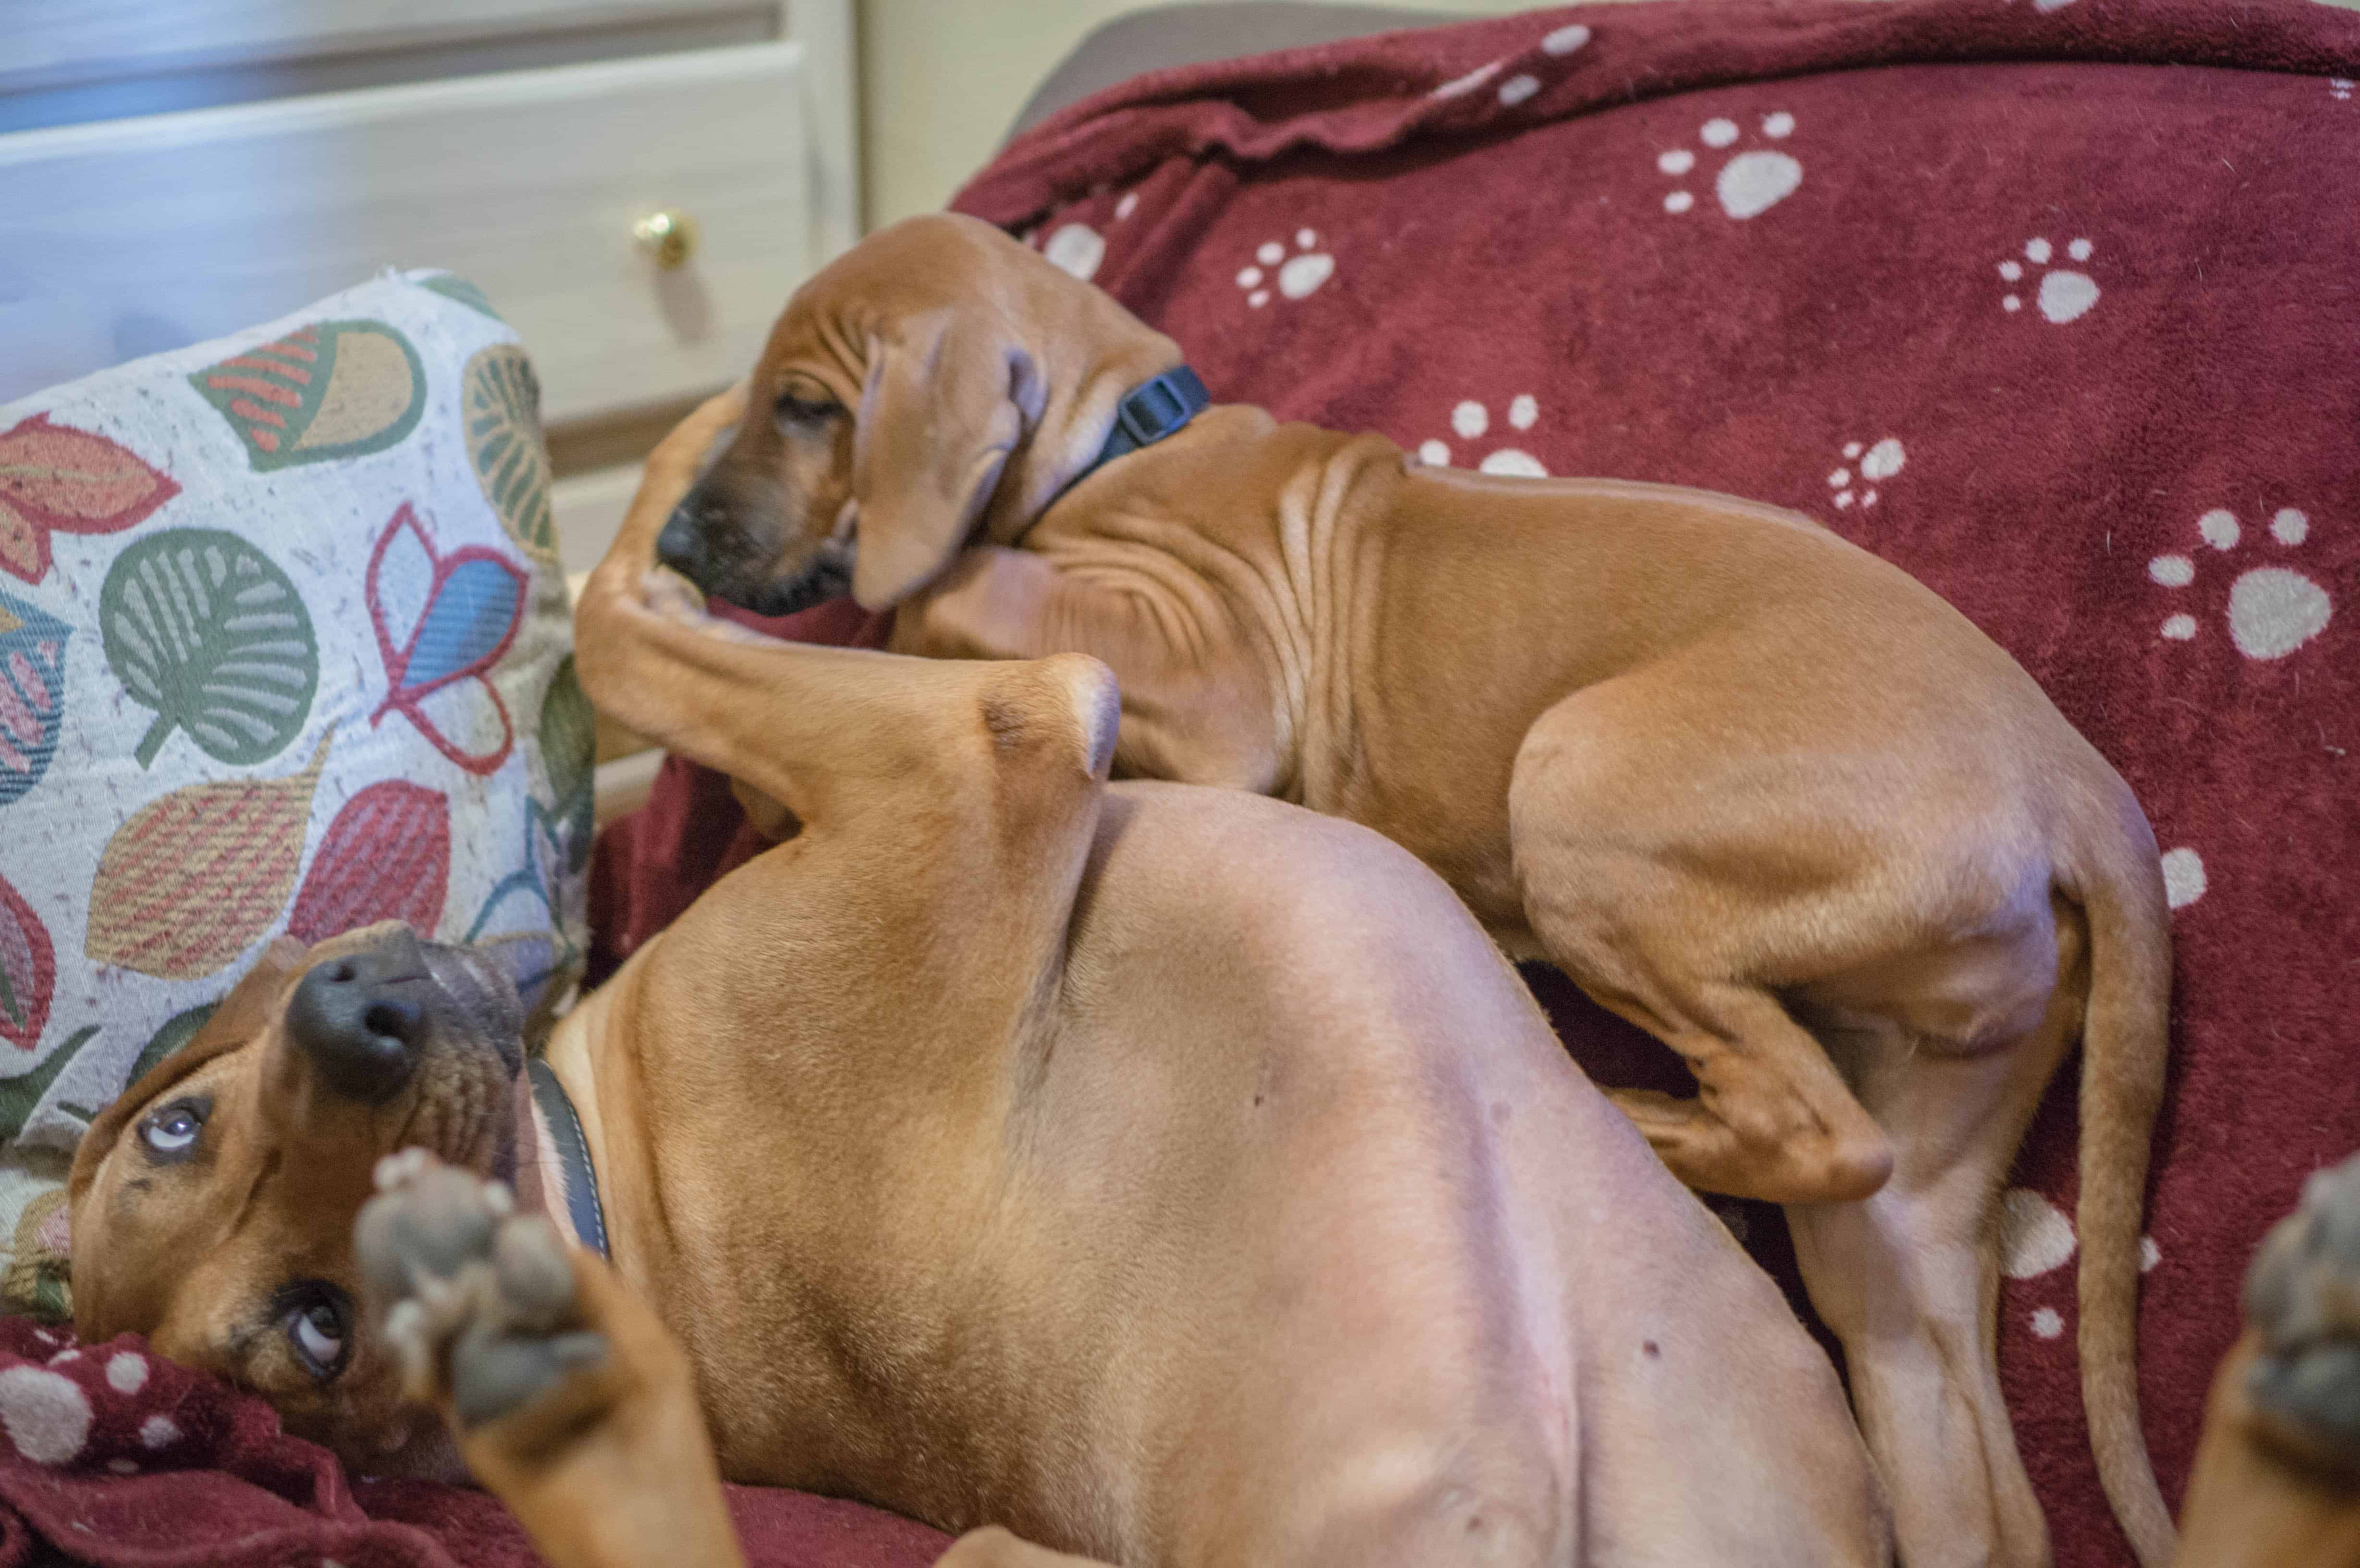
x: 950, y: 396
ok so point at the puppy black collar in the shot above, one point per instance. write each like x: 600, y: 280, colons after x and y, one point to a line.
x: 582, y: 1206
x: 1148, y: 413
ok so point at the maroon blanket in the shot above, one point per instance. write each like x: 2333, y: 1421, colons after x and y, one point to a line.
x: 2055, y: 304
x: 118, y: 1457
x: 2073, y: 337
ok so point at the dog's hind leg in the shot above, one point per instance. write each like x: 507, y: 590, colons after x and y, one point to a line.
x: 1650, y: 905
x: 1908, y: 1279
x: 2277, y: 1474
x: 568, y: 1399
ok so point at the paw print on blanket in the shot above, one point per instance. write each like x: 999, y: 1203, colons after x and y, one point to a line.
x: 2340, y: 89
x: 2064, y: 295
x: 2273, y: 610
x: 1470, y: 421
x: 2035, y: 1240
x: 1296, y: 276
x: 1749, y: 184
x: 1877, y: 464
x: 1558, y: 43
x: 1077, y: 248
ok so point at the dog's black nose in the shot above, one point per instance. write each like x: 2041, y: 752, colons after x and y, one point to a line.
x: 363, y: 1018
x: 681, y: 546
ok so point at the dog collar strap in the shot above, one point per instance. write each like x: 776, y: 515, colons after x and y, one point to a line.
x: 582, y: 1206
x: 1151, y: 410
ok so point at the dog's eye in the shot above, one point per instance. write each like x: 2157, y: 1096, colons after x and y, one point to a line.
x: 173, y: 1130
x: 319, y: 1325
x: 805, y: 410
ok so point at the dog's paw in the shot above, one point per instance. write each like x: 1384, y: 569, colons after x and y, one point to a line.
x: 2302, y: 1298
x: 477, y: 1301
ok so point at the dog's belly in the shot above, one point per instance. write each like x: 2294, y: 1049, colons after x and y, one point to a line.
x: 1298, y: 1237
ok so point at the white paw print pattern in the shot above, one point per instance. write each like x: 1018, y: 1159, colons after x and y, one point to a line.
x: 1560, y: 42
x: 1470, y: 421
x: 2064, y: 295
x: 1877, y: 464
x: 1078, y: 248
x: 2036, y: 1238
x: 2183, y: 877
x: 2340, y: 89
x: 2273, y: 610
x: 1749, y: 184
x: 1296, y: 276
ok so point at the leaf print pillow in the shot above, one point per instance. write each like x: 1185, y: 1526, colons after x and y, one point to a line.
x: 284, y: 649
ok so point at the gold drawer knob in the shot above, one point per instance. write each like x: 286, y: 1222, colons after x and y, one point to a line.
x: 669, y: 237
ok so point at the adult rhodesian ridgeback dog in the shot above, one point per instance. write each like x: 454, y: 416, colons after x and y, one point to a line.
x: 1754, y: 790
x: 2277, y: 1474
x: 1164, y: 1174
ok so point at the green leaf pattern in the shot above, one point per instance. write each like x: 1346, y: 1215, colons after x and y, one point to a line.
x: 504, y: 443
x: 451, y: 285
x: 206, y: 630
x: 569, y: 729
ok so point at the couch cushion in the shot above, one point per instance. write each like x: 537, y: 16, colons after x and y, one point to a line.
x: 283, y: 649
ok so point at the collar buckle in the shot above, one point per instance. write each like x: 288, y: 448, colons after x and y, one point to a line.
x: 1157, y: 408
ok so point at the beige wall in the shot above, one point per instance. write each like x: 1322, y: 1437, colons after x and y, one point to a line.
x: 942, y: 78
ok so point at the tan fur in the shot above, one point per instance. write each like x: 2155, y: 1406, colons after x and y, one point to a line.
x: 191, y: 1253
x: 1165, y: 1175
x: 2277, y: 1474
x: 2251, y: 1504
x: 1754, y: 788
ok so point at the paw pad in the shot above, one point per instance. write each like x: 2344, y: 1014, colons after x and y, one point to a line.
x: 471, y: 1295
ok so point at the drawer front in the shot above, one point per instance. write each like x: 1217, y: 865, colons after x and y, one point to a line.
x: 93, y: 39
x: 130, y: 237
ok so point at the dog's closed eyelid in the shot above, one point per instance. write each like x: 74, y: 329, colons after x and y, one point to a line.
x: 805, y: 404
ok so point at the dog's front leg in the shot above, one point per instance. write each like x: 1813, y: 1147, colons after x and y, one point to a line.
x: 567, y: 1398
x: 820, y: 733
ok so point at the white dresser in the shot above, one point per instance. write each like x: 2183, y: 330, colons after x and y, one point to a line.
x: 638, y: 185
x: 304, y: 145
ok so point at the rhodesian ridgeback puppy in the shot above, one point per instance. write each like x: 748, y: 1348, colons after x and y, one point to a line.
x: 2277, y: 1474
x: 1164, y: 1174
x: 1754, y: 790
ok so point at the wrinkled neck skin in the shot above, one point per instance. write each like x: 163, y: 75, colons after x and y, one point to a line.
x: 1232, y: 576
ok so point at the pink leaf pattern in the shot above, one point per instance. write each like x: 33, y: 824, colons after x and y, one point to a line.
x: 470, y: 609
x: 29, y: 971
x: 56, y: 479
x: 386, y: 857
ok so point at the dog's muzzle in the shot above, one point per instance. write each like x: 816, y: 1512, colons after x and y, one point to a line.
x: 681, y: 546
x: 365, y: 1020
x: 687, y: 546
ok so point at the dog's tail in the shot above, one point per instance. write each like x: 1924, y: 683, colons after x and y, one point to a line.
x: 2125, y: 1040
